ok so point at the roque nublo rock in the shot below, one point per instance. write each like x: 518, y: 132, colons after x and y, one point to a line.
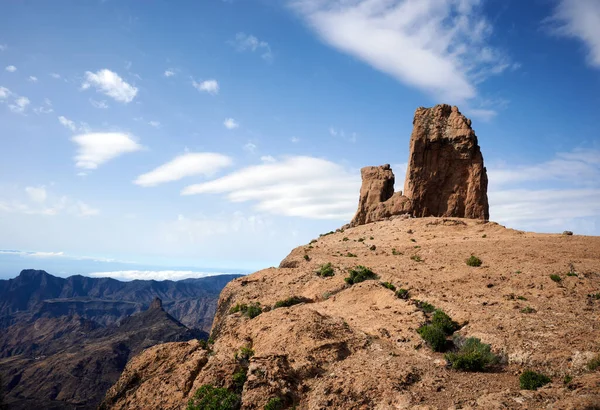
x: 445, y: 175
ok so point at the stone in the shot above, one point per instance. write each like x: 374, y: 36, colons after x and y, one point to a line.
x: 156, y: 303
x: 445, y: 175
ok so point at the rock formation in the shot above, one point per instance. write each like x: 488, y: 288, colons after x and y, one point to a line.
x: 445, y: 175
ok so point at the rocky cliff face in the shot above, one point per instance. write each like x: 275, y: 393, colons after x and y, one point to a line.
x: 341, y: 346
x: 445, y: 175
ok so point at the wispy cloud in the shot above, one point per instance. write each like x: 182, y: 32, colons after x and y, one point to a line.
x: 32, y: 79
x: 110, y: 84
x: 208, y: 86
x: 39, y: 201
x: 440, y: 47
x: 11, y: 68
x: 579, y: 19
x: 94, y: 149
x: 99, y: 104
x: 186, y: 165
x: 230, y: 124
x: 169, y: 73
x: 46, y: 108
x: 4, y: 93
x: 250, y: 147
x: 67, y: 123
x: 56, y: 76
x: 155, y: 124
x: 127, y: 275
x: 247, y: 42
x: 37, y: 194
x: 296, y: 186
x: 19, y: 105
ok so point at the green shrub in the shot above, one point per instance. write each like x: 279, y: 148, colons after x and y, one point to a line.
x: 361, y: 239
x: 328, y: 233
x: 291, y: 301
x: 395, y: 252
x: 413, y: 240
x: 556, y: 278
x: 474, y: 261
x: 424, y: 306
x: 239, y: 378
x: 416, y: 258
x: 306, y: 257
x: 567, y: 379
x: 274, y: 403
x: 402, y: 293
x: 373, y: 247
x: 444, y: 322
x: 313, y: 241
x: 434, y: 336
x: 371, y: 238
x: 239, y: 308
x: 351, y: 255
x: 595, y: 296
x: 594, y: 364
x: 472, y: 356
x: 360, y: 274
x: 388, y: 285
x: 531, y: 380
x: 572, y: 274
x: 521, y: 298
x: 244, y: 354
x: 528, y: 309
x: 345, y: 238
x: 208, y: 397
x: 252, y: 310
x: 325, y: 270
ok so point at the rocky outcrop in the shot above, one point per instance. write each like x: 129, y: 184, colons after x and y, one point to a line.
x: 445, y: 175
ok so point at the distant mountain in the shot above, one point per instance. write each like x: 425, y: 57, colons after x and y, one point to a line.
x: 36, y: 293
x: 70, y: 362
x: 63, y: 342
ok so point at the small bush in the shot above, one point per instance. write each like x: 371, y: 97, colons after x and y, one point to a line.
x: 325, y: 270
x: 360, y: 274
x: 528, y: 309
x: 424, y: 306
x: 484, y: 236
x: 371, y: 238
x: 416, y: 258
x: 388, y: 285
x: 521, y: 298
x: 244, y: 354
x: 306, y: 257
x: 417, y: 246
x: 345, y: 238
x: 595, y: 296
x: 395, y: 252
x: 328, y: 233
x: 594, y: 364
x: 474, y: 261
x: 350, y: 255
x: 208, y: 397
x: 361, y: 239
x: 291, y: 301
x: 556, y: 278
x: 444, y: 322
x: 567, y: 379
x: 313, y: 241
x: 472, y: 356
x: 434, y: 336
x: 413, y: 240
x: 239, y: 308
x: 572, y: 274
x: 373, y: 247
x: 402, y: 293
x: 531, y: 380
x: 274, y: 403
x: 239, y: 378
x: 252, y: 310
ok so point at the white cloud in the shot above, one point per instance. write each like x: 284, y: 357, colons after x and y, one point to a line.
x: 189, y: 164
x: 208, y: 86
x: 126, y: 275
x: 94, y: 149
x: 44, y: 109
x: 84, y: 209
x: 334, y: 132
x: 154, y: 124
x: 296, y: 186
x: 250, y: 147
x: 4, y: 93
x: 67, y: 123
x: 33, y: 79
x: 99, y: 104
x: 55, y: 75
x: 481, y: 113
x: 245, y: 42
x: 36, y: 194
x: 44, y: 255
x: 440, y: 47
x: 267, y: 158
x: 110, y: 84
x: 169, y: 73
x: 579, y: 19
x: 11, y: 68
x: 19, y: 105
x: 230, y: 124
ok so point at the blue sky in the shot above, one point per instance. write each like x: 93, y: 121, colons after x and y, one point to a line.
x: 216, y: 135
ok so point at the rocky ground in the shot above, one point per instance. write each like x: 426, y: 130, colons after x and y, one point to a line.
x: 357, y: 347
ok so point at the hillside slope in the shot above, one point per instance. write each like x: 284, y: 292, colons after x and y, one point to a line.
x: 357, y: 347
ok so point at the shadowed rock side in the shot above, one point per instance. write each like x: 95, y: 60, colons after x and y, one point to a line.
x: 357, y: 347
x: 445, y: 175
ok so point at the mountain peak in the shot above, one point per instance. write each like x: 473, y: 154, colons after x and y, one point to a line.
x: 156, y: 304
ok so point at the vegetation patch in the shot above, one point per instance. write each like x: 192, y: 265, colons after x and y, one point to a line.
x: 291, y: 301
x: 243, y: 355
x: 306, y: 258
x: 275, y: 403
x: 474, y: 261
x: 360, y: 274
x: 424, y: 306
x: 239, y: 378
x: 528, y: 309
x: 556, y: 278
x: 395, y: 252
x: 402, y: 294
x: 472, y: 355
x: 388, y: 285
x: 345, y: 238
x: 416, y: 258
x: 361, y: 239
x: 531, y: 380
x: 252, y: 310
x: 325, y: 270
x: 594, y: 364
x: 214, y: 398
x: 444, y: 322
x: 351, y: 255
x: 373, y: 247
x: 434, y: 336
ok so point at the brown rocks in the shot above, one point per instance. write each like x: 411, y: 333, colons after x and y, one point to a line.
x: 445, y: 175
